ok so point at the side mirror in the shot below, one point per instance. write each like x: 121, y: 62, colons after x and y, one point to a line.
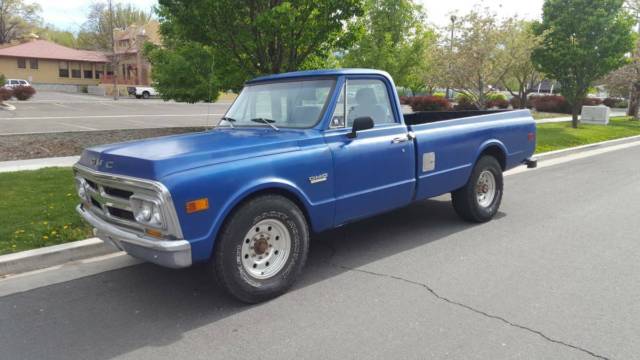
x: 359, y: 124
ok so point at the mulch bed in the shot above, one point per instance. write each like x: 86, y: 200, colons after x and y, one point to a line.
x: 33, y: 146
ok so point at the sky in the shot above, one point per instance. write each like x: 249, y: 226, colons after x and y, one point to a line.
x: 69, y: 15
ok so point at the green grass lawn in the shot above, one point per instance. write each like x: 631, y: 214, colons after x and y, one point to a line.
x: 546, y: 115
x: 37, y: 208
x: 555, y: 136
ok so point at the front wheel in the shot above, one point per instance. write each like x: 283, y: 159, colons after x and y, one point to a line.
x: 479, y: 200
x: 262, y: 249
x: 146, y: 95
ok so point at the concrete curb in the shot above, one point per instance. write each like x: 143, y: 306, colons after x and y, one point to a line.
x: 35, y: 164
x: 36, y: 259
x: 604, y: 144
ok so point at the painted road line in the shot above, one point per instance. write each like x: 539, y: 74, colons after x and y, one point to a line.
x: 107, y: 116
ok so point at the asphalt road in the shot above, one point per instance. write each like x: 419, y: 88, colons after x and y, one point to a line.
x: 59, y: 112
x: 554, y: 276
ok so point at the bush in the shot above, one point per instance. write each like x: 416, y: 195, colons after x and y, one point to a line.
x: 622, y: 104
x: 464, y: 103
x: 515, y: 102
x: 427, y: 103
x: 592, y: 102
x: 615, y: 102
x: 550, y: 103
x: 440, y: 94
x: 498, y: 103
x: 23, y: 92
x: 5, y: 93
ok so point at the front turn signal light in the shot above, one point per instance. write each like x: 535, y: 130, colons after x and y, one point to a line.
x: 197, y: 205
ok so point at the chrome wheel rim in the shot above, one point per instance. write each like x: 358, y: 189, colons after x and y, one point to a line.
x: 266, y: 248
x: 486, y: 188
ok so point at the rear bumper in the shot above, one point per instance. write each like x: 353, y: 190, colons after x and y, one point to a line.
x: 169, y: 253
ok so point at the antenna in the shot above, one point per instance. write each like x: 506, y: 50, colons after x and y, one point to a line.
x: 211, y: 90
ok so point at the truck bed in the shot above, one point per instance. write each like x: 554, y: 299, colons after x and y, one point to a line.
x: 449, y: 143
x: 425, y: 117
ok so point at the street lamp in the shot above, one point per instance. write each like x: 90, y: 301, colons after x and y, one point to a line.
x: 453, y: 23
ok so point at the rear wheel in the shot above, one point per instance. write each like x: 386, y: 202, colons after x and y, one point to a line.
x: 146, y: 95
x: 479, y: 200
x: 262, y: 249
x: 138, y: 96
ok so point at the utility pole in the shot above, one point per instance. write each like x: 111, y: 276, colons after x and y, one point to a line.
x: 453, y: 23
x: 114, y: 61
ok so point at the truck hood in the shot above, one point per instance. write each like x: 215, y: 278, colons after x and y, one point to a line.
x: 158, y: 157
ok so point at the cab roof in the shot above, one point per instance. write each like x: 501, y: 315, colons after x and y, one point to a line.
x: 318, y: 73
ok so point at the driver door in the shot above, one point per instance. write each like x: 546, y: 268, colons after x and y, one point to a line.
x: 375, y: 171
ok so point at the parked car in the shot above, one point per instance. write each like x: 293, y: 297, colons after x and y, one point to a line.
x: 11, y: 83
x: 142, y: 92
x: 291, y: 157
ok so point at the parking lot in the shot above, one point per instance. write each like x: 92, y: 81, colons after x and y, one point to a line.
x: 60, y: 112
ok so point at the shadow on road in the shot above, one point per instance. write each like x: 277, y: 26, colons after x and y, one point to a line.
x: 117, y: 312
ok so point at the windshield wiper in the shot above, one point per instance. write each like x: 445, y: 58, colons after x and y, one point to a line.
x: 229, y: 120
x: 266, y: 121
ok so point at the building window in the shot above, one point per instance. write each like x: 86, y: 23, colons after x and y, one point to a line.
x: 99, y: 70
x: 33, y: 63
x: 88, y: 71
x: 75, y: 70
x: 63, y: 69
x: 22, y: 64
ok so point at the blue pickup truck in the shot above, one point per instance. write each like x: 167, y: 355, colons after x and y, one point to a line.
x: 296, y: 154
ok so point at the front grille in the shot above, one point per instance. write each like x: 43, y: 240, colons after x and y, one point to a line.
x: 92, y: 184
x: 120, y: 213
x: 125, y: 194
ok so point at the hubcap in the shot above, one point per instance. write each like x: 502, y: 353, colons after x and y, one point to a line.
x: 266, y: 248
x: 486, y: 188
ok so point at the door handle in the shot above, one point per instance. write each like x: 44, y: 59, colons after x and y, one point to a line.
x: 399, y: 140
x: 408, y: 137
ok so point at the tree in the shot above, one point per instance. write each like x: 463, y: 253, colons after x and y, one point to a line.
x: 395, y: 39
x: 17, y: 19
x: 97, y: 30
x: 252, y: 37
x: 479, y: 60
x: 582, y: 40
x: 185, y: 73
x: 51, y: 33
x: 522, y: 75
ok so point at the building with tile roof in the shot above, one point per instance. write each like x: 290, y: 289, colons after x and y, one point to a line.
x: 48, y: 63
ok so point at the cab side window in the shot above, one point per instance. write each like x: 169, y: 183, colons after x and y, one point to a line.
x: 368, y: 97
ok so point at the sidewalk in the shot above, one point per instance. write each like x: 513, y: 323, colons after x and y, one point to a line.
x: 614, y: 113
x: 35, y: 164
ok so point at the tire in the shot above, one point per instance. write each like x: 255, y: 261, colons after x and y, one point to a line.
x: 469, y: 204
x: 138, y: 96
x: 247, y: 262
x: 145, y: 95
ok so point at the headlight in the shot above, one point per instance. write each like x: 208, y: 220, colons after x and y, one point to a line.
x: 147, y: 211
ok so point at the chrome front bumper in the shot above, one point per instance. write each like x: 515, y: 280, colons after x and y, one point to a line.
x: 168, y: 253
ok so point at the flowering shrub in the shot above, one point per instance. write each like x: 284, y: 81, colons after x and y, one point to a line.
x: 23, y: 92
x: 5, y: 93
x: 498, y: 103
x: 427, y: 103
x: 550, y: 103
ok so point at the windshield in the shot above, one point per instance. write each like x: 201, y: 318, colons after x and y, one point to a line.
x: 290, y: 104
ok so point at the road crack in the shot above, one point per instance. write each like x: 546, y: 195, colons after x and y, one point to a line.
x: 459, y: 304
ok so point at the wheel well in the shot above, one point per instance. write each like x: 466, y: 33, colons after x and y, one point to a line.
x: 497, y: 153
x: 273, y: 191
